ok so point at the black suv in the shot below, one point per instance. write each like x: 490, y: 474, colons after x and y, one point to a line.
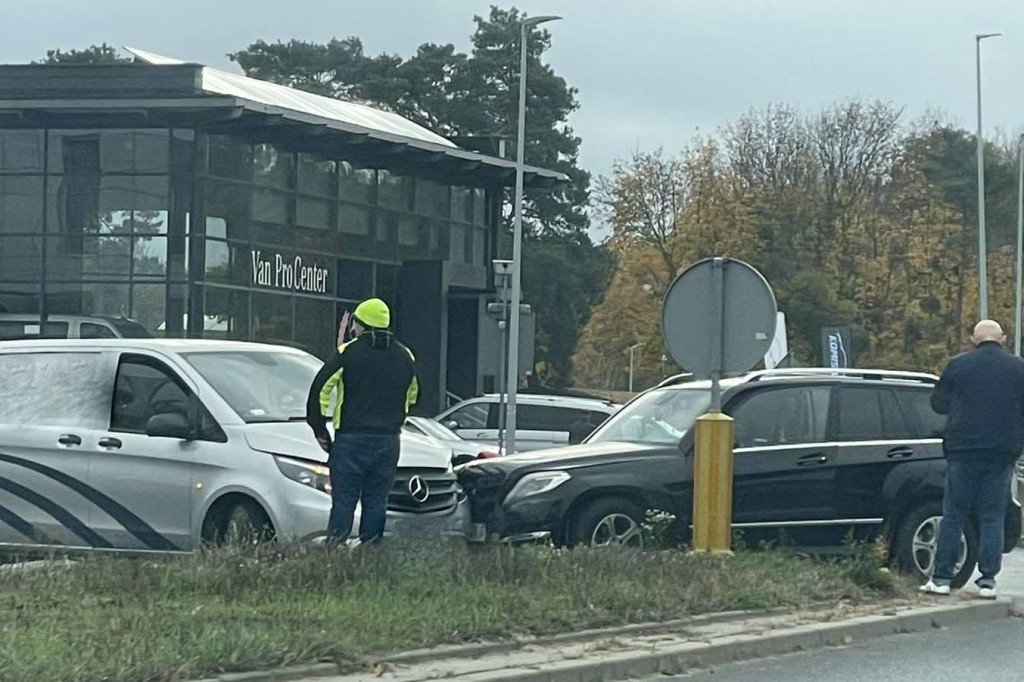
x: 819, y: 454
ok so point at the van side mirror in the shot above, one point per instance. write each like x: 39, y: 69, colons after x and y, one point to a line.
x: 169, y: 425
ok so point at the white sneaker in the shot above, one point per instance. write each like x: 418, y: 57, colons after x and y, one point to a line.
x: 931, y: 588
x: 987, y: 593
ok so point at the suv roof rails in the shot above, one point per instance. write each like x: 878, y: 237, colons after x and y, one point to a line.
x: 676, y: 379
x: 866, y: 374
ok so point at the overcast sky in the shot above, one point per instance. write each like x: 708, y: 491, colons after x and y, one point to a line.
x: 650, y: 73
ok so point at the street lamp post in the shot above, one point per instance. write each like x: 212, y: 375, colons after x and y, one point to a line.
x: 632, y: 351
x: 1020, y: 242
x: 982, y: 247
x: 517, y: 240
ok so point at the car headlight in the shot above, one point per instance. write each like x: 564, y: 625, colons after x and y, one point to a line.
x: 535, y: 484
x: 314, y: 475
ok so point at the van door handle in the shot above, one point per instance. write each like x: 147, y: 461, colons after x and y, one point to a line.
x: 812, y: 460
x: 110, y: 443
x: 900, y: 453
x: 69, y: 439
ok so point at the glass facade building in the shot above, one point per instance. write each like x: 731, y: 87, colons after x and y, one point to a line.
x: 132, y: 192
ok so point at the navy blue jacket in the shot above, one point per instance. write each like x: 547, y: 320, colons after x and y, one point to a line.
x: 983, y: 393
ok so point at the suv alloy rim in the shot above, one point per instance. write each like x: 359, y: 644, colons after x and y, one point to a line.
x: 926, y: 540
x: 617, y: 529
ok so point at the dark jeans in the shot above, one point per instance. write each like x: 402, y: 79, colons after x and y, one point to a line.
x: 983, y: 486
x: 363, y: 468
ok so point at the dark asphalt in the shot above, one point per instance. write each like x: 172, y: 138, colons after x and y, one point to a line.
x: 992, y: 651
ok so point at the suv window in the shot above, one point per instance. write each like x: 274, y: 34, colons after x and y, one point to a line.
x: 871, y: 413
x: 12, y: 330
x: 144, y: 388
x: 54, y: 389
x: 782, y: 416
x: 90, y: 330
x: 547, y: 417
x: 917, y: 404
x: 472, y: 416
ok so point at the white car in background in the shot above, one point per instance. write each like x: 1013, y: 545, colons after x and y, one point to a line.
x: 463, y: 451
x: 163, y: 444
x: 543, y: 421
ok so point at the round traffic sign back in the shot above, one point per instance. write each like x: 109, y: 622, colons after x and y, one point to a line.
x: 718, y: 317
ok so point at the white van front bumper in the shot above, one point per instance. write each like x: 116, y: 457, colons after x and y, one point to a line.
x: 311, y: 522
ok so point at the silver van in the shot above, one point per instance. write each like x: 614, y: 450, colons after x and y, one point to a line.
x: 160, y: 445
x: 22, y: 326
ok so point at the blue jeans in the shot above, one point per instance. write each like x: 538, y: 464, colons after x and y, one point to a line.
x: 983, y: 486
x: 363, y: 468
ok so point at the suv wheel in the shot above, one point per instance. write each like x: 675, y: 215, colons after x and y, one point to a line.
x: 609, y: 522
x: 917, y: 539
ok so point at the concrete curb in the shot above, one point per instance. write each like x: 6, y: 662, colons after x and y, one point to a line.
x: 675, y: 658
x: 681, y: 658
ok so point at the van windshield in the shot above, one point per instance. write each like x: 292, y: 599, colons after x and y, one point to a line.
x: 261, y: 386
x: 661, y: 417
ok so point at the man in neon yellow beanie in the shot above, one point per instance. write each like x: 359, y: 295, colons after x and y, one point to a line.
x: 374, y: 378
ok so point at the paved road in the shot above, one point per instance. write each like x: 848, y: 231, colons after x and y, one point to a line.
x: 992, y: 651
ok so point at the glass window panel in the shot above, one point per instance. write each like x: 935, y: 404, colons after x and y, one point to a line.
x: 459, y: 243
x: 784, y: 416
x: 271, y: 317
x: 226, y: 314
x: 278, y: 235
x: 353, y: 219
x: 394, y: 192
x: 272, y: 166
x: 183, y: 150
x: 102, y: 298
x: 270, y: 207
x: 149, y: 257
x: 106, y: 257
x: 917, y: 405
x: 356, y: 184
x: 355, y: 279
x: 315, y: 328
x: 462, y: 204
x: 74, y: 152
x: 152, y: 148
x: 149, y: 306
x: 230, y: 158
x: 432, y: 199
x: 18, y: 297
x: 894, y: 422
x: 314, y: 213
x: 387, y: 236
x: 440, y: 239
x: 89, y: 330
x: 479, y: 246
x: 317, y: 176
x: 479, y: 204
x: 20, y: 260
x: 21, y: 204
x: 387, y: 283
x: 227, y: 210
x: 218, y: 261
x: 323, y: 241
x: 21, y: 151
x: 129, y: 203
x: 860, y: 416
x: 117, y: 154
x: 408, y: 232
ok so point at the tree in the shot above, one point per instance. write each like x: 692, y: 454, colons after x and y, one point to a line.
x: 94, y: 54
x: 463, y: 96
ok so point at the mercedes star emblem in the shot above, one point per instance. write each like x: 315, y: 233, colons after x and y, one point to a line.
x: 418, y: 489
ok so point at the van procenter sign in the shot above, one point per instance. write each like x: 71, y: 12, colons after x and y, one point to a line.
x: 291, y: 274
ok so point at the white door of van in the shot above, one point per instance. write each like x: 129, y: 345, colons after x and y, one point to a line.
x: 52, y: 407
x: 149, y: 478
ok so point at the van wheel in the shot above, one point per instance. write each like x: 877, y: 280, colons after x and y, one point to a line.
x: 237, y: 521
x: 609, y: 522
x: 917, y: 539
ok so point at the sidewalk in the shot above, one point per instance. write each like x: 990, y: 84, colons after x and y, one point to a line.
x: 654, y: 649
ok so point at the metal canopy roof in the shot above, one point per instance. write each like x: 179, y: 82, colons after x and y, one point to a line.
x: 166, y: 91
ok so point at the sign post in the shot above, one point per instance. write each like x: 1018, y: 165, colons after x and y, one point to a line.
x: 718, y: 318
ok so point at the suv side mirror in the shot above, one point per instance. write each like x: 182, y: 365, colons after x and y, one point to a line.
x: 169, y: 425
x: 453, y: 425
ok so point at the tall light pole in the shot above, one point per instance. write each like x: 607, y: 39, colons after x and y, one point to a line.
x: 982, y: 247
x: 632, y: 351
x: 1020, y: 242
x: 517, y: 240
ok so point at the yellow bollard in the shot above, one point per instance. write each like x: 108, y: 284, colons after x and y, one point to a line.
x: 712, y: 484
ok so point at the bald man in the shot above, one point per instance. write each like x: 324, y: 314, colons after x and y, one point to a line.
x: 982, y: 392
